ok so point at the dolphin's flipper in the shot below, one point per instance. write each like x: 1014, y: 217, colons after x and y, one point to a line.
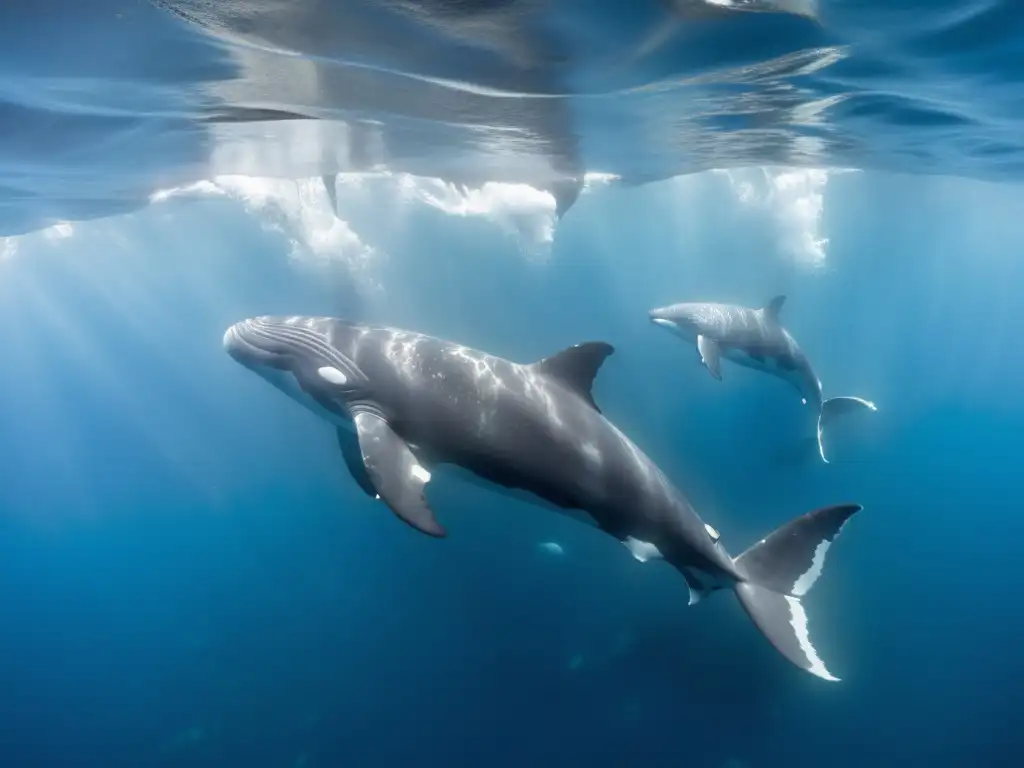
x: 349, y: 445
x: 395, y: 473
x: 773, y: 307
x: 710, y: 355
x: 576, y: 368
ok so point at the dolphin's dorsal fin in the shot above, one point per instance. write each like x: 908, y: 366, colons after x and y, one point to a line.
x: 576, y: 368
x: 773, y: 307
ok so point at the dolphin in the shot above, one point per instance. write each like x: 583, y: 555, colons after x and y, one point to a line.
x: 754, y: 338
x: 404, y: 405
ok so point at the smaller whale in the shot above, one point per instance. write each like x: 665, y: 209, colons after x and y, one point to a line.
x: 754, y: 338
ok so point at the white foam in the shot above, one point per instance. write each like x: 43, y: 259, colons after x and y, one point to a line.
x: 795, y: 198
x: 298, y: 209
x: 302, y: 210
x: 10, y: 246
x: 322, y: 235
x: 518, y: 210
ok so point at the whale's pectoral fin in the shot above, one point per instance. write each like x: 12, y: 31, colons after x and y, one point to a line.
x: 773, y: 307
x: 576, y: 368
x: 395, y: 472
x: 642, y: 550
x: 350, y: 451
x: 710, y: 355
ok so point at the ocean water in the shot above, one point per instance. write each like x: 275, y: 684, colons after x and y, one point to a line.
x: 190, y: 577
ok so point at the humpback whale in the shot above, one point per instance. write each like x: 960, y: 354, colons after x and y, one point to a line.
x: 405, y: 404
x: 754, y: 338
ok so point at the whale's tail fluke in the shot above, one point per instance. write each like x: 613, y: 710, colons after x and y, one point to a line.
x: 779, y: 570
x: 834, y: 407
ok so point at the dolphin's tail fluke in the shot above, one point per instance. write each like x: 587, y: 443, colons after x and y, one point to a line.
x: 779, y: 570
x: 834, y: 407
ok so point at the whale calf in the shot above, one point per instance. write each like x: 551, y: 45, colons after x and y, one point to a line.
x: 405, y: 404
x: 754, y: 338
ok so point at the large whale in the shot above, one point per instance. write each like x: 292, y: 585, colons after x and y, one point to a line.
x: 754, y: 338
x: 405, y: 404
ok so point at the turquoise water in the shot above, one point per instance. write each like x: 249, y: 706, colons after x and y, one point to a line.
x: 190, y: 577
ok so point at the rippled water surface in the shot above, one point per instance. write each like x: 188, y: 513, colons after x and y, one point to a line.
x: 105, y: 102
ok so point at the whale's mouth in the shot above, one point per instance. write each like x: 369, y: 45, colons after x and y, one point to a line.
x: 282, y: 342
x: 230, y: 339
x: 252, y: 343
x: 236, y: 339
x: 657, y: 317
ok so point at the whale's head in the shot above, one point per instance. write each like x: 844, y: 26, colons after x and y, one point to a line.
x: 683, y: 320
x: 301, y: 356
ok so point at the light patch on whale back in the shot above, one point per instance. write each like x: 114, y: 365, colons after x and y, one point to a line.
x: 711, y: 532
x: 420, y: 473
x: 798, y: 620
x: 552, y: 548
x: 333, y: 375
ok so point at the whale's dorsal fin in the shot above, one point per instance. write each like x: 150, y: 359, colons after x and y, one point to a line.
x: 773, y: 307
x: 576, y: 368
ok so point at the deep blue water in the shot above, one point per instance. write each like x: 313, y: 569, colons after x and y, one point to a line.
x: 188, y: 574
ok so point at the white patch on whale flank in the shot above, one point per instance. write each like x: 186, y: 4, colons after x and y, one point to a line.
x: 332, y: 374
x: 591, y: 452
x: 420, y: 473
